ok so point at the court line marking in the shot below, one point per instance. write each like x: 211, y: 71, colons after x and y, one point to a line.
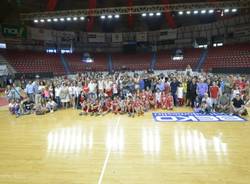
x: 108, y: 154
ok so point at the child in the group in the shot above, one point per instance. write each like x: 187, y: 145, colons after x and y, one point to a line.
x: 12, y: 106
x: 180, y: 96
x: 151, y: 100
x: 93, y: 108
x: 51, y: 105
x: 169, y: 102
x: 85, y: 106
x: 122, y: 106
x: 130, y: 106
x: 163, y: 100
x: 115, y: 105
x: 158, y: 99
x: 138, y: 106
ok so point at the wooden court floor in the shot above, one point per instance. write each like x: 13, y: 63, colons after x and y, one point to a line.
x: 64, y: 148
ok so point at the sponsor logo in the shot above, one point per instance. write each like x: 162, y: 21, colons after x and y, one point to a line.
x: 195, y: 117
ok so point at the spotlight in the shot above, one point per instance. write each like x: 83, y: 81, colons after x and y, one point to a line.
x: 226, y: 10
x: 188, y: 12
x: 42, y: 20
x: 203, y: 11
x: 103, y: 17
x: 68, y: 18
x: 158, y: 14
x: 82, y: 18
x: 234, y: 10
x: 48, y: 20
x: 211, y: 11
x: 75, y: 18
x: 55, y: 19
x: 144, y: 15
x: 196, y: 12
x: 110, y: 16
x: 35, y: 21
x: 180, y: 12
x: 151, y: 14
x: 62, y: 19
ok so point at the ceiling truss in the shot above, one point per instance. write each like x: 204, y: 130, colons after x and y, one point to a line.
x: 138, y: 9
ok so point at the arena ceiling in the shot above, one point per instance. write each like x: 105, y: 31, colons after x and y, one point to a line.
x: 10, y: 10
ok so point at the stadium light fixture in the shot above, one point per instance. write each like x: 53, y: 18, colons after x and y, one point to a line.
x: 226, y: 10
x: 158, y: 14
x: 196, y: 12
x: 82, y: 18
x: 103, y: 17
x: 117, y: 16
x: 55, y: 19
x: 234, y: 10
x: 144, y: 15
x: 62, y: 19
x: 35, y: 21
x: 211, y: 11
x: 75, y: 18
x: 110, y: 16
x: 188, y: 12
x: 42, y: 20
x: 203, y: 11
x: 48, y: 20
x: 180, y: 12
x: 68, y: 18
x: 151, y: 14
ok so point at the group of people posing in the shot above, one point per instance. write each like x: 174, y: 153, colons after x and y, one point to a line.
x: 131, y: 93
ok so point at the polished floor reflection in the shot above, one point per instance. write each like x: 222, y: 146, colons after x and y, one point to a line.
x: 63, y: 147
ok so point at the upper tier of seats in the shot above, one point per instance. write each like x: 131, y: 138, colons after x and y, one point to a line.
x: 228, y: 56
x: 131, y: 61
x: 165, y: 62
x: 77, y: 65
x: 34, y: 62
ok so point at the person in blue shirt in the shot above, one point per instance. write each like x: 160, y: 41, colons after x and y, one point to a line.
x: 30, y: 91
x: 202, y: 89
x: 174, y: 85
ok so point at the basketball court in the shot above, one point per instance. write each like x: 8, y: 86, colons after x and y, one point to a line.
x: 63, y: 147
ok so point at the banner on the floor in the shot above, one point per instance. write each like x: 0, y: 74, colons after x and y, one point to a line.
x: 195, y: 117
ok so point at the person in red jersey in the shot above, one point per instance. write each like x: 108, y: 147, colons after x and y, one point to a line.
x: 93, y: 110
x: 130, y: 106
x: 85, y: 104
x: 138, y: 106
x: 115, y: 105
x: 163, y: 100
x: 214, y: 94
x: 169, y: 102
x: 108, y: 105
x: 151, y: 100
x: 144, y: 100
x: 85, y: 88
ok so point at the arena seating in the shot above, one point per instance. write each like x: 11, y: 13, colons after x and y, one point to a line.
x: 165, y: 62
x: 77, y: 65
x: 34, y: 62
x: 135, y: 61
x: 229, y: 56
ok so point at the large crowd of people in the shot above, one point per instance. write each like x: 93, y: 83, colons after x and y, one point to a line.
x: 131, y: 93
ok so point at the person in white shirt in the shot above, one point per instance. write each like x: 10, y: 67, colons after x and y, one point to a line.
x: 158, y: 99
x: 92, y: 88
x: 51, y: 105
x: 77, y: 91
x: 207, y: 102
x: 57, y: 95
x: 101, y: 84
x: 180, y: 95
